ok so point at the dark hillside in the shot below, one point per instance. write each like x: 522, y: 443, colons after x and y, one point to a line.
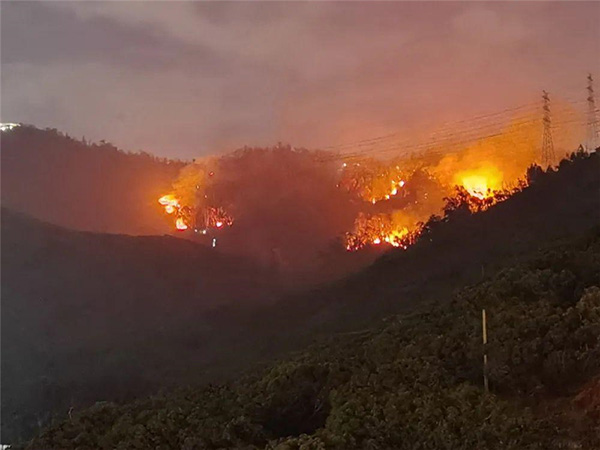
x: 87, y: 315
x: 93, y: 187
x: 414, y: 382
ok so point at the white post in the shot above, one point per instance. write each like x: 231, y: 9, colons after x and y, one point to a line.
x: 485, y: 359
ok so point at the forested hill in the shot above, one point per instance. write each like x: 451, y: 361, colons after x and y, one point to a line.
x: 84, y: 186
x: 89, y: 315
x: 415, y: 382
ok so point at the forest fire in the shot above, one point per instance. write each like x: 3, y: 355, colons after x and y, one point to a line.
x: 366, y: 200
x: 180, y: 224
x: 376, y: 230
x: 172, y: 206
x: 477, y: 186
x: 480, y: 183
x: 372, y: 180
x: 169, y: 202
x: 200, y: 219
x: 395, y: 199
x: 190, y: 202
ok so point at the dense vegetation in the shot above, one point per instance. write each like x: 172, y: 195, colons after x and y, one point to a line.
x: 414, y: 382
x: 83, y: 312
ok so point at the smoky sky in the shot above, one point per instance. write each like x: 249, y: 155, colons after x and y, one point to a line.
x: 186, y: 79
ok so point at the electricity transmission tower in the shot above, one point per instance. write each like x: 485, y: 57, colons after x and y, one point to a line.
x: 592, y: 122
x: 548, y: 156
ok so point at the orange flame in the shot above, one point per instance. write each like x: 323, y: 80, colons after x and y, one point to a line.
x: 169, y: 200
x: 481, y: 182
x: 180, y: 224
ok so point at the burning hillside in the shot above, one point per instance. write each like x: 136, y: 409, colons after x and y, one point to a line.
x: 286, y: 205
x: 280, y: 205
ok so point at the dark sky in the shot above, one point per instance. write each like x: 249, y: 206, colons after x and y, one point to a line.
x: 185, y: 79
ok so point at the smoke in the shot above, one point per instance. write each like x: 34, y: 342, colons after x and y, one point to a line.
x: 287, y: 206
x: 407, y: 192
x: 284, y: 202
x: 193, y: 181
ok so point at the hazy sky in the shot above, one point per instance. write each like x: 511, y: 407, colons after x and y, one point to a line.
x: 183, y: 79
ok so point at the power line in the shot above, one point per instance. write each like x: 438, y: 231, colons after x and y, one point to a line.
x: 450, y: 135
x: 452, y: 142
x: 364, y: 148
x: 500, y: 117
x: 444, y: 126
x: 449, y: 139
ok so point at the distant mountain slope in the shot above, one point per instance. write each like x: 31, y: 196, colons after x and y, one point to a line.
x: 80, y: 309
x: 93, y: 187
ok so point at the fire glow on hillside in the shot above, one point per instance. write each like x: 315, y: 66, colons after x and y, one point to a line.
x: 395, y: 227
x: 390, y: 200
x: 189, y: 217
x: 477, y: 189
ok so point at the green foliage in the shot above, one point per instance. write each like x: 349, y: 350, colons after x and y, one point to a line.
x: 414, y: 383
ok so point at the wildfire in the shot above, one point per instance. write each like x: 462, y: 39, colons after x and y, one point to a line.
x: 477, y: 186
x: 180, y: 224
x: 480, y: 183
x: 187, y: 216
x: 217, y: 217
x: 381, y: 229
x: 372, y: 181
x: 172, y: 206
x: 475, y: 181
x: 392, y: 199
x: 169, y: 202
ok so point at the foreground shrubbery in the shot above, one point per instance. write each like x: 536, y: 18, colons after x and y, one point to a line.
x: 415, y: 383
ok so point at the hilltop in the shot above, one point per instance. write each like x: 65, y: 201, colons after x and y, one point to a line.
x: 81, y: 185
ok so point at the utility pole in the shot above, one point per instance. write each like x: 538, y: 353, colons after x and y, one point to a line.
x: 485, y: 358
x: 592, y: 121
x: 548, y: 156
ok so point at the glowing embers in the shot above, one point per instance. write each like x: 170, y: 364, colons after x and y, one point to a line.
x: 372, y: 181
x: 180, y: 224
x: 462, y: 198
x: 217, y: 217
x: 187, y: 217
x: 381, y: 229
x: 172, y: 206
x: 169, y: 202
